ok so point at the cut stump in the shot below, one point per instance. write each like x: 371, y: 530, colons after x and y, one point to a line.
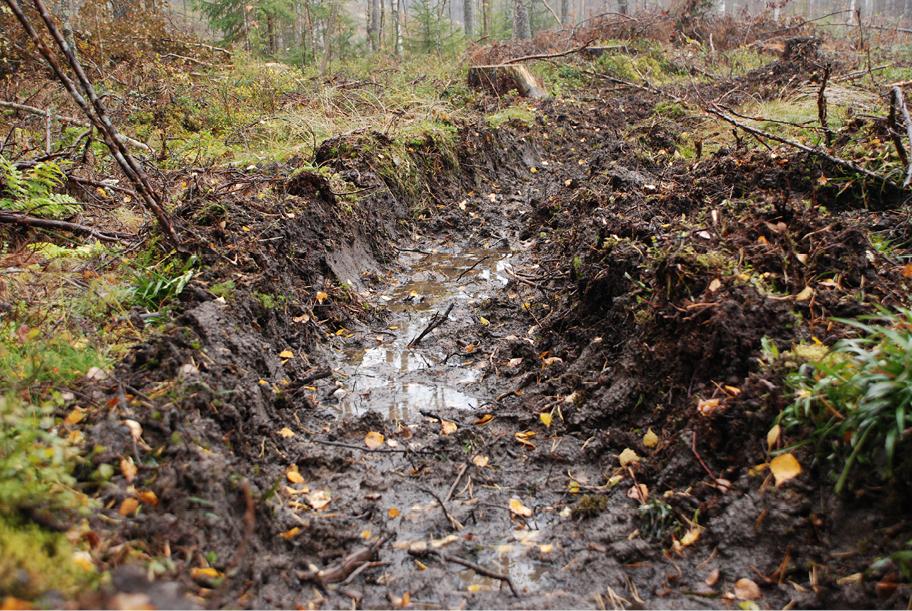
x: 500, y: 79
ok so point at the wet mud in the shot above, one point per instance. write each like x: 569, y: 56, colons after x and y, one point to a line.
x: 308, y: 448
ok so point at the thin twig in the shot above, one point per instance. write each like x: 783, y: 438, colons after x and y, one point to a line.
x: 549, y: 55
x: 436, y: 321
x: 459, y: 475
x: 14, y: 218
x: 474, y: 265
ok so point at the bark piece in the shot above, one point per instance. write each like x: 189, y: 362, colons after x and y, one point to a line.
x: 499, y: 79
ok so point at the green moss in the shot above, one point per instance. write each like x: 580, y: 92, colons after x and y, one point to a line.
x: 519, y: 113
x: 31, y: 357
x: 34, y: 561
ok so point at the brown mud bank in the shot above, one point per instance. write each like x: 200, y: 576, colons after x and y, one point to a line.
x: 308, y: 447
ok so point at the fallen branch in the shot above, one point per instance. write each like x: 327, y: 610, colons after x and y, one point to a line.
x: 474, y: 265
x: 454, y: 523
x: 470, y: 565
x: 340, y: 572
x: 854, y: 167
x: 436, y: 321
x: 71, y: 120
x: 15, y: 218
x: 897, y: 103
x: 549, y: 55
x: 822, y: 106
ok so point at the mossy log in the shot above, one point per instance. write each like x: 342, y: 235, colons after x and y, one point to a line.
x: 500, y: 79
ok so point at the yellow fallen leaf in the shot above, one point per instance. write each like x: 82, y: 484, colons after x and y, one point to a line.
x: 480, y: 461
x: 321, y: 296
x: 366, y: 534
x: 392, y: 513
x: 546, y: 548
x: 772, y: 437
x: 484, y: 321
x: 293, y: 475
x: 205, y: 575
x: 524, y: 438
x: 746, y: 589
x: 573, y: 487
x: 128, y: 507
x: 82, y: 559
x: 148, y: 497
x: 76, y: 416
x: 286, y: 354
x: 373, y: 440
x: 650, y: 439
x: 545, y: 418
x: 420, y: 565
x: 291, y: 533
x: 517, y: 507
x: 691, y: 536
x: 805, y: 294
x: 286, y: 432
x: 470, y: 348
x: 485, y: 418
x: 128, y: 469
x: 628, y: 457
x: 785, y: 467
x: 448, y: 427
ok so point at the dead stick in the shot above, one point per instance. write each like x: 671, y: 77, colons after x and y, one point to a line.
x: 436, y: 321
x: 894, y: 127
x: 459, y: 475
x: 549, y: 55
x: 454, y: 523
x: 693, y: 448
x: 822, y: 106
x: 478, y: 569
x: 14, y: 218
x: 474, y: 265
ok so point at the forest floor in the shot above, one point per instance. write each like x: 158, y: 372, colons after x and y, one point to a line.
x: 534, y: 357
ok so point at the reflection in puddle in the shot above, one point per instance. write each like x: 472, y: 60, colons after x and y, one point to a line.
x: 399, y: 381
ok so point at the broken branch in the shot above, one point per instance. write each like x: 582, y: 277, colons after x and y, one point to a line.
x: 436, y: 321
x: 14, y: 218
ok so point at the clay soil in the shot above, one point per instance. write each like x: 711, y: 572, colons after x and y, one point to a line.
x: 586, y: 278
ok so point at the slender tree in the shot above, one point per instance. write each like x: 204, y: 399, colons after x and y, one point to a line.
x: 521, y: 28
x: 468, y: 17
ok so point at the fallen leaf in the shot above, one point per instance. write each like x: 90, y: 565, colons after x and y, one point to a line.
x: 545, y: 418
x: 707, y: 406
x: 640, y: 492
x: 373, y: 440
x: 286, y: 432
x: 480, y: 461
x: 303, y: 318
x: 746, y: 589
x: 691, y: 536
x: 205, y: 575
x: 11, y: 603
x: 524, y: 438
x: 650, y: 439
x: 148, y: 497
x: 715, y: 285
x: 392, y: 513
x: 713, y: 578
x: 484, y: 321
x: 772, y: 437
x: 805, y: 294
x: 546, y: 548
x: 291, y: 533
x: 293, y: 475
x: 366, y: 534
x: 485, y: 418
x: 517, y: 508
x: 802, y: 257
x: 321, y: 296
x: 470, y: 348
x: 318, y: 499
x: 286, y: 354
x: 128, y: 469
x: 628, y: 456
x: 135, y: 429
x: 448, y: 427
x: 128, y: 507
x: 443, y: 542
x: 552, y: 360
x: 76, y: 416
x: 785, y: 467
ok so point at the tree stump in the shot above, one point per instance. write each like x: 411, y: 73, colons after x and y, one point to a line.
x: 500, y: 79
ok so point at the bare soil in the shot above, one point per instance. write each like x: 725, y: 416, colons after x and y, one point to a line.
x: 584, y: 278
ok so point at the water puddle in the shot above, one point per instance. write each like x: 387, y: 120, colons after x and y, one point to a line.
x: 387, y: 375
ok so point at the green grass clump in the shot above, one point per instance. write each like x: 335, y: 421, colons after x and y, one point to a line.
x: 857, y: 397
x: 30, y: 356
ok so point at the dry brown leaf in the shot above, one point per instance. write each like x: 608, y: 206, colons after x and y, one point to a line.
x: 148, y: 497
x: 392, y: 513
x: 639, y: 492
x: 448, y: 427
x: 128, y: 507
x: 286, y: 432
x: 772, y: 437
x: 746, y: 589
x: 319, y: 499
x: 628, y: 457
x: 286, y: 354
x: 321, y: 296
x: 707, y: 406
x: 485, y: 418
x: 128, y: 469
x: 291, y: 533
x: 480, y: 461
x: 76, y: 416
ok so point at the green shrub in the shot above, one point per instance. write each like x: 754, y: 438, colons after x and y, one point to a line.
x: 857, y: 397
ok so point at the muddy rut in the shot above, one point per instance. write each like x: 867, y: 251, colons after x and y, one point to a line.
x: 441, y: 412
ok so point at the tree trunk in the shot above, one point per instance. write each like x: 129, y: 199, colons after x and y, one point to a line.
x: 382, y: 24
x: 468, y: 17
x: 374, y: 29
x: 486, y: 18
x: 521, y: 30
x: 397, y: 28
x: 623, y: 7
x: 565, y: 12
